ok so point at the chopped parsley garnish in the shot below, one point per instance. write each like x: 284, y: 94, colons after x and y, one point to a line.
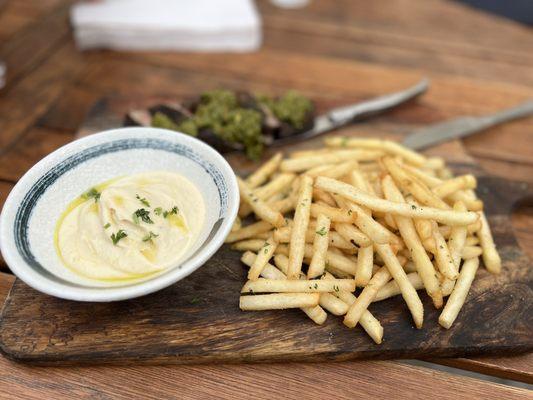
x: 107, y: 225
x: 150, y: 237
x: 174, y: 211
x: 116, y: 237
x: 91, y: 194
x: 413, y: 206
x: 158, y: 211
x: 316, y: 285
x: 321, y: 231
x: 142, y: 200
x: 336, y: 288
x: 142, y: 214
x: 195, y: 300
x: 265, y: 248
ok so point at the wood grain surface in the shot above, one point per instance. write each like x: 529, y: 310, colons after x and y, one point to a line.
x: 394, y: 35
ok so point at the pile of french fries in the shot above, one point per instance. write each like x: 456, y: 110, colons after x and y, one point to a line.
x: 360, y: 213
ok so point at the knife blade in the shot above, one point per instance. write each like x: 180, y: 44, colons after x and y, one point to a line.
x: 463, y: 126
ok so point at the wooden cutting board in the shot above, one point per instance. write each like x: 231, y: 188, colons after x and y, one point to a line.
x: 198, y: 320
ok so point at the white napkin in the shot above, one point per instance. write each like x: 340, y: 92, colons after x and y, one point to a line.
x: 184, y: 25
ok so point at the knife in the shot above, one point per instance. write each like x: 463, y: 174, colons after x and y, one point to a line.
x: 464, y: 126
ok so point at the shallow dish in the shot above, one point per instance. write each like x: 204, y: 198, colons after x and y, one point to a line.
x: 34, y: 205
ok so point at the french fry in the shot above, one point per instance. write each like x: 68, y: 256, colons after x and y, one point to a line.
x: 471, y: 241
x: 360, y: 305
x: 323, y: 197
x: 333, y: 213
x: 352, y: 234
x: 491, y: 258
x: 332, y: 304
x: 451, y: 186
x: 299, y: 228
x: 369, y: 323
x: 378, y: 144
x: 471, y: 252
x: 348, y: 220
x: 392, y: 289
x: 370, y: 227
x: 268, y: 272
x: 277, y: 185
x: 320, y: 247
x: 304, y: 163
x: 264, y: 254
x: 456, y: 242
x: 260, y: 208
x: 425, y: 268
x: 412, y: 185
x: 249, y: 231
x: 297, y: 286
x: 264, y: 172
x: 283, y: 235
x: 408, y: 291
x: 248, y: 245
x: 349, y: 192
x: 443, y: 258
x: 460, y: 291
x: 335, y: 171
x: 237, y: 224
x: 334, y: 261
x: 278, y: 301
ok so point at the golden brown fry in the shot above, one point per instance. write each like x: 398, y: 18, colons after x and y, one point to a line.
x: 352, y: 234
x: 264, y: 171
x: 491, y: 258
x: 412, y: 185
x: 392, y: 289
x: 360, y: 305
x: 333, y: 213
x: 264, y: 254
x: 299, y: 228
x: 349, y: 192
x: 459, y: 293
x: 248, y: 231
x: 237, y: 224
x: 365, y: 263
x: 408, y: 232
x: 297, y: 286
x: 260, y: 208
x: 248, y: 245
x: 320, y: 247
x: 408, y: 291
x: 369, y: 323
x: 451, y: 186
x: 278, y: 301
x: 378, y: 144
x: 442, y: 255
x: 304, y: 163
x: 324, y: 197
x: 268, y: 272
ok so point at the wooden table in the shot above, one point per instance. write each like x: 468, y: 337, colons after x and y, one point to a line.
x: 50, y: 87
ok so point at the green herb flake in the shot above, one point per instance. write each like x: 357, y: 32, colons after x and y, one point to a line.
x: 316, y: 285
x: 150, y: 237
x: 91, y: 194
x: 413, y: 206
x: 142, y: 214
x: 142, y: 200
x: 336, y: 288
x: 321, y: 231
x: 107, y: 225
x: 116, y: 237
x: 158, y: 211
x: 174, y: 211
x: 195, y: 300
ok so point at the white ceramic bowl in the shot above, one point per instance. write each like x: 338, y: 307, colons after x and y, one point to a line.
x: 34, y: 205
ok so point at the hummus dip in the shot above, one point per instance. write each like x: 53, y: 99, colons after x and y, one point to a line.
x: 130, y: 227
